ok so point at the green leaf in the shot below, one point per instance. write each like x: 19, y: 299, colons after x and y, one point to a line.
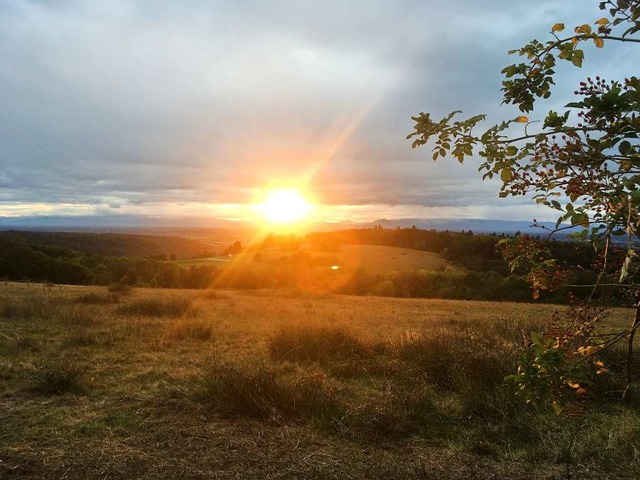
x: 506, y: 174
x: 577, y: 61
x: 536, y: 338
x: 581, y: 219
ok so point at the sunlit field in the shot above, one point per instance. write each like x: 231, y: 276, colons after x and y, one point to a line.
x: 327, y: 271
x: 122, y: 383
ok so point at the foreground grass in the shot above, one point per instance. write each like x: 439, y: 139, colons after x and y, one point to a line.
x: 281, y: 385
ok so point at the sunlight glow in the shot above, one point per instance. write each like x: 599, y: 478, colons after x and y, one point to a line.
x: 284, y: 205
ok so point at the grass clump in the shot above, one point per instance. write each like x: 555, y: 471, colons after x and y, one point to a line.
x: 188, y: 329
x: 25, y: 308
x: 76, y: 316
x: 211, y: 294
x: 259, y: 390
x: 308, y: 343
x: 58, y: 376
x: 392, y: 411
x: 27, y: 343
x: 155, y: 307
x: 120, y: 288
x: 461, y: 355
x: 95, y: 298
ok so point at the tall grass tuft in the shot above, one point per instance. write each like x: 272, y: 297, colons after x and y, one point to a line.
x: 211, y: 294
x: 95, y: 298
x: 76, y: 316
x: 26, y: 308
x: 187, y: 329
x: 120, y: 288
x: 58, y: 376
x: 309, y: 343
x: 174, y: 307
x: 463, y: 354
x: 397, y: 409
x: 260, y: 390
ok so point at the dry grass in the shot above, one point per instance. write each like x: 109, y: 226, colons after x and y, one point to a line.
x: 207, y: 390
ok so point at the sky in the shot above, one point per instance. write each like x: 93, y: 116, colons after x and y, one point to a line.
x: 197, y: 108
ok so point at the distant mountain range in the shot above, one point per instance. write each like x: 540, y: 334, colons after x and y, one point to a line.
x: 473, y: 224
x: 130, y: 223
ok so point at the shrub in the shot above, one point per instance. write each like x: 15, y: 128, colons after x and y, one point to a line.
x: 155, y: 307
x: 262, y: 391
x: 211, y: 294
x: 386, y: 288
x: 182, y: 329
x: 308, y: 343
x: 120, y: 288
x: 396, y: 410
x: 81, y: 338
x: 76, y: 316
x: 464, y: 354
x: 59, y: 376
x: 27, y: 342
x: 94, y: 298
x: 26, y: 308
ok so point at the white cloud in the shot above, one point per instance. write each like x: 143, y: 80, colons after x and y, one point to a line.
x: 141, y: 105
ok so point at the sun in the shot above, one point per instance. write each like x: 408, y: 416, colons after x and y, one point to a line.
x: 285, y: 205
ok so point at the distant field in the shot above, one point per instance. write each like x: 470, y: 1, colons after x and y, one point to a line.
x: 373, y: 258
x: 280, y: 384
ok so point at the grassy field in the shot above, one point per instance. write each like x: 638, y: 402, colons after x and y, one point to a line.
x: 282, y: 384
x: 373, y: 258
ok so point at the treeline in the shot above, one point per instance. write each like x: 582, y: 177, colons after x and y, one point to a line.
x: 490, y: 286
x: 117, y: 244
x: 20, y: 261
x: 485, y: 275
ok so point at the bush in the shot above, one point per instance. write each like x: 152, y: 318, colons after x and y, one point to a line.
x: 262, y: 391
x: 155, y: 307
x: 76, y: 316
x: 308, y: 343
x: 464, y: 354
x: 120, y: 288
x: 386, y: 288
x: 98, y: 299
x: 26, y: 308
x: 211, y: 294
x: 59, y: 376
x: 398, y: 409
x: 183, y: 329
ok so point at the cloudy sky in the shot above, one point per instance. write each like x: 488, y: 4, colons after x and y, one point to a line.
x: 196, y: 107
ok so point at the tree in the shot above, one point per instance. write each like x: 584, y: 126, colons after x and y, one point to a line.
x: 583, y: 162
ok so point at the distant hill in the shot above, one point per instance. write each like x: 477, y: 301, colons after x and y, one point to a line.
x: 117, y: 244
x: 115, y: 222
x: 146, y: 224
x: 459, y: 224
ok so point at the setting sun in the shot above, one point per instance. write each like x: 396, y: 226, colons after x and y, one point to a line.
x: 284, y: 205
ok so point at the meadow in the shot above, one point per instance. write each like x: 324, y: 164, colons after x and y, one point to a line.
x: 146, y: 383
x: 373, y: 258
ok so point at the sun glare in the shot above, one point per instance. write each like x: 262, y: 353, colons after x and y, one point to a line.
x: 285, y: 205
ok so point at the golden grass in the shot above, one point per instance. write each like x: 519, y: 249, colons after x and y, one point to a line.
x: 137, y: 419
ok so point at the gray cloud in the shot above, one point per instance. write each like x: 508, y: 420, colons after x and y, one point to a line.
x: 131, y: 102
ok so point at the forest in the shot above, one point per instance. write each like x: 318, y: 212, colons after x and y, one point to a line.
x: 481, y: 272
